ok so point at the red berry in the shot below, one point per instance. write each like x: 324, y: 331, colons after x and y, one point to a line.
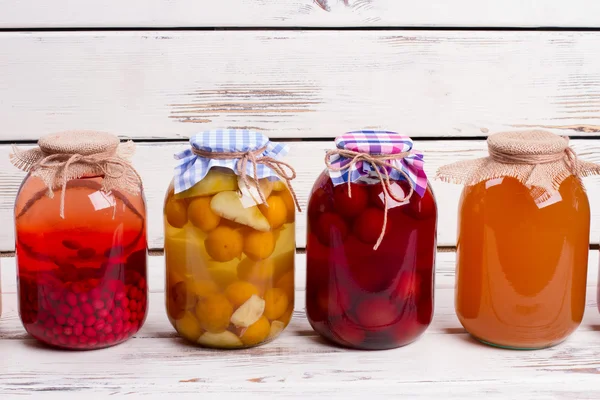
x: 89, y: 332
x: 68, y: 331
x: 331, y: 230
x: 367, y: 227
x: 89, y: 320
x: 61, y: 319
x: 83, y: 297
x: 347, y: 206
x: 71, y: 299
x: 103, y: 313
x: 407, y: 331
x: 87, y: 309
x: 71, y: 321
x: 376, y: 313
x: 124, y: 303
x: 348, y: 333
x: 78, y: 329
x: 64, y: 309
x: 98, y: 304
x: 95, y: 294
x: 133, y: 305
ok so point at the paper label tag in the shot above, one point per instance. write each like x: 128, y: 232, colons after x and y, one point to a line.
x: 249, y: 194
x: 398, y: 192
x: 101, y: 200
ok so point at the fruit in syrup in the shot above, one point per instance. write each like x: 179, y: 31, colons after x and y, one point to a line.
x: 201, y: 215
x: 259, y: 245
x: 224, y: 244
x: 215, y: 181
x: 228, y: 205
x: 347, y: 206
x: 249, y: 312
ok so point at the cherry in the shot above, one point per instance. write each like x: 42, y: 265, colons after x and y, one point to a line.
x: 367, y: 226
x: 321, y: 201
x: 375, y: 313
x: 347, y: 206
x: 331, y: 229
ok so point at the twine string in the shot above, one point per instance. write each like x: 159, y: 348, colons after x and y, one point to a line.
x: 282, y: 169
x: 61, y: 163
x: 379, y: 163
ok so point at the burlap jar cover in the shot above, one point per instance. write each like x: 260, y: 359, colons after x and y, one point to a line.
x: 538, y: 159
x: 69, y: 155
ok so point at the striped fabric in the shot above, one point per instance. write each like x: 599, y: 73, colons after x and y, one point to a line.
x: 191, y: 168
x: 379, y: 143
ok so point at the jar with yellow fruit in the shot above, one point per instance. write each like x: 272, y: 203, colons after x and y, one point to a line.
x: 230, y: 240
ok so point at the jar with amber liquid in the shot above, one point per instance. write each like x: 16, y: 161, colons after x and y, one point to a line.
x: 523, y: 232
x: 80, y: 226
x: 230, y: 240
x: 371, y: 243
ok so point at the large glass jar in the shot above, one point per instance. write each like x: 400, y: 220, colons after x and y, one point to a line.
x: 521, y: 266
x: 358, y: 296
x: 522, y: 248
x: 81, y: 276
x: 229, y: 256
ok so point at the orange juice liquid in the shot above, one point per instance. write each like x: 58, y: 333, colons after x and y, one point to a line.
x: 521, y: 268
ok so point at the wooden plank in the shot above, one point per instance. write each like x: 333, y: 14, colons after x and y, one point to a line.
x: 291, y: 84
x: 294, y: 13
x: 155, y: 163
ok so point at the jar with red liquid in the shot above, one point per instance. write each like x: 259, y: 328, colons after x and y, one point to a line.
x: 80, y: 227
x: 371, y: 243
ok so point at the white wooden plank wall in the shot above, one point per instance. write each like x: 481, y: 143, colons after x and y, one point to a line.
x: 293, y: 13
x: 299, y: 84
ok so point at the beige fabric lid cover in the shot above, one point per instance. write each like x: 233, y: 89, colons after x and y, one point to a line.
x: 69, y: 155
x: 539, y: 159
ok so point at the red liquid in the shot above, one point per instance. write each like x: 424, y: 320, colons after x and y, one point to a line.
x: 364, y: 298
x: 82, y: 279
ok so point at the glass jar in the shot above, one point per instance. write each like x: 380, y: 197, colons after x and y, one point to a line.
x: 358, y: 296
x: 81, y: 276
x: 229, y: 256
x: 521, y: 275
x: 522, y: 245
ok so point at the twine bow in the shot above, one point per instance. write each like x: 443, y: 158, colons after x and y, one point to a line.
x: 379, y: 163
x: 284, y: 170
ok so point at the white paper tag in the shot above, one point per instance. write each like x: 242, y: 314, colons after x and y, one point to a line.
x: 398, y: 192
x: 249, y: 194
x: 101, y: 200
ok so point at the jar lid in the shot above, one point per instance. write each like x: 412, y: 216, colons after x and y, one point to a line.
x: 84, y: 143
x: 228, y: 146
x: 403, y: 162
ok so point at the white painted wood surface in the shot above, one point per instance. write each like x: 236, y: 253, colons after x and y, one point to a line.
x: 293, y: 13
x: 155, y: 163
x: 298, y: 84
x: 446, y: 363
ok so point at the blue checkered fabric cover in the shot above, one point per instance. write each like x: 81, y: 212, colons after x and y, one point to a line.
x: 378, y: 143
x: 191, y: 168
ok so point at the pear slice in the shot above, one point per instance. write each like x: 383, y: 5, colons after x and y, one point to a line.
x: 276, y: 328
x: 220, y: 340
x: 215, y: 181
x: 250, y: 196
x: 249, y: 312
x: 279, y: 186
x: 228, y: 205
